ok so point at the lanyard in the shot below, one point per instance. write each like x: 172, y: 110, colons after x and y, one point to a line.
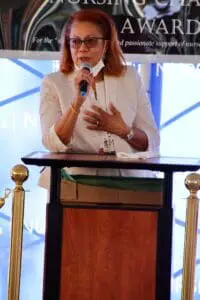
x: 108, y: 145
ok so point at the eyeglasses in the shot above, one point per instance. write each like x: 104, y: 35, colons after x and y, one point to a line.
x: 90, y: 42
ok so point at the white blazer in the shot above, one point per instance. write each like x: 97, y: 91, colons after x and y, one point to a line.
x: 125, y: 92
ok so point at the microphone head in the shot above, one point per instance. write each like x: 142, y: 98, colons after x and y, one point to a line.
x: 83, y: 83
x: 86, y: 66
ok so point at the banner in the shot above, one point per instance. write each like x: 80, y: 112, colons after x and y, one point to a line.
x: 144, y: 26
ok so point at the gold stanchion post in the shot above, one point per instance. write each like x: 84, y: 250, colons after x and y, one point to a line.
x: 192, y: 183
x: 19, y: 174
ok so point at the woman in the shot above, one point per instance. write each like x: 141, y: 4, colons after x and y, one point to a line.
x: 114, y: 109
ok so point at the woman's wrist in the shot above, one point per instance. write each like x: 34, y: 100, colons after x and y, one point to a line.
x: 124, y: 132
x: 77, y: 103
x: 74, y: 109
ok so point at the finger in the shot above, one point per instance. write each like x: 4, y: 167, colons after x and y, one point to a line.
x: 92, y: 127
x: 113, y: 109
x: 91, y: 114
x: 86, y: 73
x: 85, y: 76
x: 98, y: 109
x: 88, y: 77
x: 91, y: 121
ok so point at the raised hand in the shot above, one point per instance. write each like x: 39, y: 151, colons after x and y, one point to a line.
x: 83, y: 74
x: 112, y: 122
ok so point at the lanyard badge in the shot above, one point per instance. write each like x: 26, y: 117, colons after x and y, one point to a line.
x: 108, y: 146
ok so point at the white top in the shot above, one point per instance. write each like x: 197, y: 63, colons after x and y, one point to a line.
x: 125, y: 92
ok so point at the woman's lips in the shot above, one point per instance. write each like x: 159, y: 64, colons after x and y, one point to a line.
x: 84, y: 59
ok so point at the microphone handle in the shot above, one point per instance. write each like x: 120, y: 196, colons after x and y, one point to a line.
x: 83, y: 88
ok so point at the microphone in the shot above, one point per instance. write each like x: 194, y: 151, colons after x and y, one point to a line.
x: 84, y: 83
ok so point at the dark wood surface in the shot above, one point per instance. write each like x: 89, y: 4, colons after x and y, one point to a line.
x: 53, y: 240
x: 163, y: 164
x: 108, y: 254
x: 99, y: 230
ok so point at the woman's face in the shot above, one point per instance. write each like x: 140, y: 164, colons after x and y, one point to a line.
x: 92, y: 50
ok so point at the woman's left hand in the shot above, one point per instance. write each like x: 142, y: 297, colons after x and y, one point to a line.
x: 112, y: 122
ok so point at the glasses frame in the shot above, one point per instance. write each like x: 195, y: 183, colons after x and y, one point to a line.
x: 84, y: 41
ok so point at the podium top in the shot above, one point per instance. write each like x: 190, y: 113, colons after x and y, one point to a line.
x: 60, y: 160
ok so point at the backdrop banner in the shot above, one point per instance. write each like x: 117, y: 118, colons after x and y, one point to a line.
x: 144, y: 26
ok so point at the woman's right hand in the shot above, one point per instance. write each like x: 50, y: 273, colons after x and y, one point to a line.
x: 81, y: 75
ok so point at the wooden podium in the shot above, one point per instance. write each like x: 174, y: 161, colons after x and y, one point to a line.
x: 108, y: 251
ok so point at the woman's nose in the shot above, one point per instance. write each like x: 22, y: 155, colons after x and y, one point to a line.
x: 83, y: 47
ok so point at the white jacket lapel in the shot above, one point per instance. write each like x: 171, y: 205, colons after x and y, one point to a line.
x: 110, y: 89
